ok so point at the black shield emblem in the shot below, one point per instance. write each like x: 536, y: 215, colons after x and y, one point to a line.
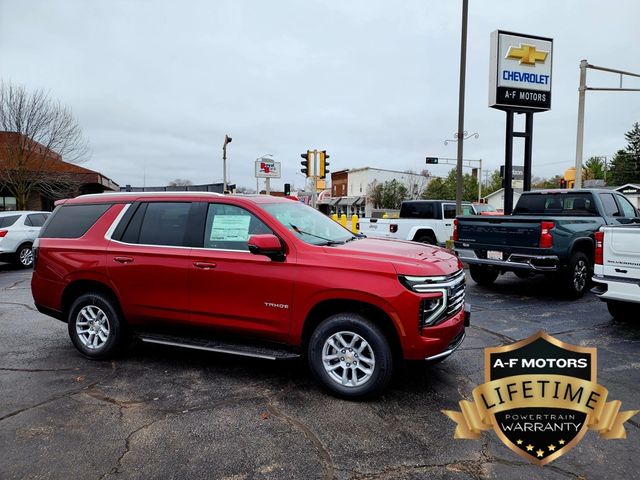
x: 538, y: 433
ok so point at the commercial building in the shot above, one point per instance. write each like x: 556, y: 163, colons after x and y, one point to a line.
x: 350, y: 188
x: 52, y: 178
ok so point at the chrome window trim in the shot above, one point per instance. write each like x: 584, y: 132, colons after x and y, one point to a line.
x: 116, y: 222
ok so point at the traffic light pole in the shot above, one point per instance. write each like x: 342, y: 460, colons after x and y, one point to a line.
x: 314, y: 195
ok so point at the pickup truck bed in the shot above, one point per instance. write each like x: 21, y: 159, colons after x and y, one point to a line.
x: 551, y: 232
x: 617, y: 270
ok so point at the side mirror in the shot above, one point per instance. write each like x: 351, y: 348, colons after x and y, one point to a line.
x: 268, y: 245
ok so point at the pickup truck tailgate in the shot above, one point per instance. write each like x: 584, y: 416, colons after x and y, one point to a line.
x: 499, y: 230
x: 622, y: 252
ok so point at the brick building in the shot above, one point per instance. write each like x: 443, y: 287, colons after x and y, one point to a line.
x: 44, y: 163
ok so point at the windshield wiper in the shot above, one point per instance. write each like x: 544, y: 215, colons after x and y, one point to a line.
x: 303, y: 232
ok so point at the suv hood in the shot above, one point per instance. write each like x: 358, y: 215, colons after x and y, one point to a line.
x: 408, y: 258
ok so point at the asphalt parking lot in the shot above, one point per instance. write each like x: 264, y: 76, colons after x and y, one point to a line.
x: 160, y: 412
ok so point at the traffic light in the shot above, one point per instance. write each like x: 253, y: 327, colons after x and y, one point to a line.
x: 432, y: 160
x: 563, y: 183
x: 287, y: 189
x: 305, y: 163
x: 323, y: 164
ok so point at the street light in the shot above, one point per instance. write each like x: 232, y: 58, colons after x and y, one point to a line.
x: 267, y: 183
x: 227, y: 139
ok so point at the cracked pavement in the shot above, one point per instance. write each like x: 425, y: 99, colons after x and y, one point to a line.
x: 161, y: 412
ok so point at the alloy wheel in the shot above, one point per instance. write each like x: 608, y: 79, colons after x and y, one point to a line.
x: 580, y: 273
x: 348, y: 359
x: 26, y: 257
x: 92, y: 327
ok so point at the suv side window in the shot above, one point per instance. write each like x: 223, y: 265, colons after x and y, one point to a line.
x: 448, y: 210
x: 229, y: 227
x: 610, y: 205
x: 628, y: 211
x: 158, y: 223
x: 35, y: 220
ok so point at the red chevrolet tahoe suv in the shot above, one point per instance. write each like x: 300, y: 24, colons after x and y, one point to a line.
x: 250, y: 275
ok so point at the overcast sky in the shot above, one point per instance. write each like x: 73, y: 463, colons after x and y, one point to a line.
x: 157, y: 84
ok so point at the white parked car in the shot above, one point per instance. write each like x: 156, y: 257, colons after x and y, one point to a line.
x: 18, y: 230
x: 617, y: 270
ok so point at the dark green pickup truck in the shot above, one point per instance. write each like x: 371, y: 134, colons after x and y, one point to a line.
x: 550, y: 232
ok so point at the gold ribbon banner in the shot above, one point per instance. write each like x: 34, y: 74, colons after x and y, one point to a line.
x: 540, y: 391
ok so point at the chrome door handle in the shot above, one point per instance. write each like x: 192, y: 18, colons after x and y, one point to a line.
x: 204, y: 265
x: 123, y: 259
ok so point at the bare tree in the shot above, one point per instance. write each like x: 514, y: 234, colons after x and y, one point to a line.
x: 416, y: 183
x: 180, y: 182
x: 38, y: 133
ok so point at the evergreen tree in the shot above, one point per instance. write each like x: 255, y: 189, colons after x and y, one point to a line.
x: 445, y: 188
x: 593, y: 169
x: 625, y: 165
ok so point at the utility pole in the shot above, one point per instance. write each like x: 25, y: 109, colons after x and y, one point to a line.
x: 460, y: 134
x: 580, y: 134
x: 582, y: 89
x: 227, y: 139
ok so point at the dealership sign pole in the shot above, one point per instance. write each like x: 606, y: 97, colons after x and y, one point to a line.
x: 519, y: 82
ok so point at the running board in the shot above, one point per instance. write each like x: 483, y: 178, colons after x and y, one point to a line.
x: 245, y: 350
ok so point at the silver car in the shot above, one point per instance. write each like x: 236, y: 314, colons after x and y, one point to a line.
x: 18, y: 230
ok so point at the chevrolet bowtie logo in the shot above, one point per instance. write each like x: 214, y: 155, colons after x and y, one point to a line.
x: 527, y: 54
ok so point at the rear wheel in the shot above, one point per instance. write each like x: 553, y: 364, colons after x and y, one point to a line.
x: 483, y: 275
x: 24, y: 256
x: 621, y: 310
x: 428, y: 238
x: 95, y: 325
x: 350, y: 356
x: 578, y: 275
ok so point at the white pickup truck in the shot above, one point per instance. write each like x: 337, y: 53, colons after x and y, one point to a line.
x: 617, y: 270
x: 424, y: 221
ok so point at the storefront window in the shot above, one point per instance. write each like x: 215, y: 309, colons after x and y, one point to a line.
x: 7, y: 203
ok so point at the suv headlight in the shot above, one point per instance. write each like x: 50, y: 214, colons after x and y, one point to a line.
x: 444, y: 296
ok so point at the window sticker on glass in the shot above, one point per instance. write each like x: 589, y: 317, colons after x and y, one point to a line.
x: 230, y: 228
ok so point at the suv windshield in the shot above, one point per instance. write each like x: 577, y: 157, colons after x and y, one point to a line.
x: 308, y: 224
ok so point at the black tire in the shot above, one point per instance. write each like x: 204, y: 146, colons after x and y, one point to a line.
x: 350, y: 325
x: 578, y: 275
x: 115, y: 338
x: 427, y: 238
x: 621, y: 310
x: 24, y: 256
x: 483, y: 275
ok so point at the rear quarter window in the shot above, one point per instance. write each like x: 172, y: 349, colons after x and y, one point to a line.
x: 73, y: 221
x: 8, y: 220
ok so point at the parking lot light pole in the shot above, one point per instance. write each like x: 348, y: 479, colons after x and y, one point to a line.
x: 227, y: 139
x: 460, y: 134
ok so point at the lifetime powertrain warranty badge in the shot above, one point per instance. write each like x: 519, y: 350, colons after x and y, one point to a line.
x: 540, y: 397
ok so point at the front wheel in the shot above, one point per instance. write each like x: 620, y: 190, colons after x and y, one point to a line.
x: 95, y: 325
x: 350, y: 356
x: 621, y: 310
x: 483, y: 275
